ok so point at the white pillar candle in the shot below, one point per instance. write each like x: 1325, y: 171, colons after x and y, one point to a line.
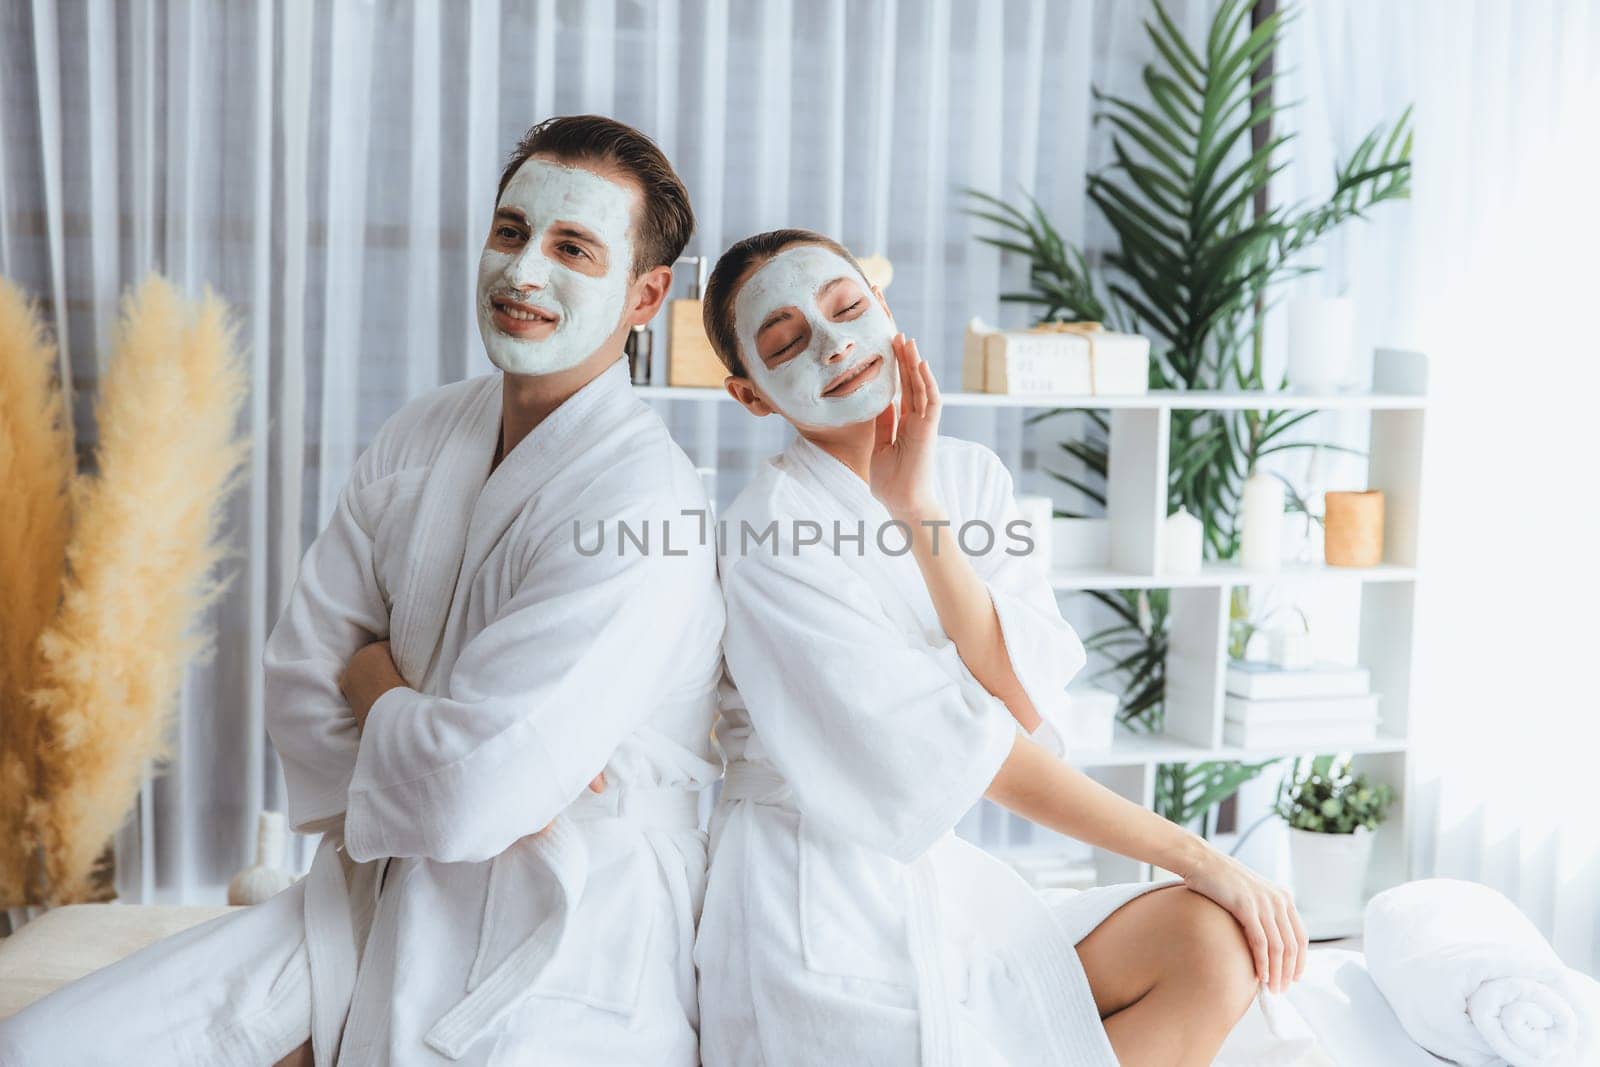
x: 1320, y: 338
x: 1181, y: 537
x: 1038, y: 511
x: 1289, y: 648
x: 1261, y: 523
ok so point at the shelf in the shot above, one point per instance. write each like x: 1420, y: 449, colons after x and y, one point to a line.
x: 1139, y: 442
x: 1214, y: 575
x: 1155, y: 400
x: 1131, y: 750
x: 1382, y: 743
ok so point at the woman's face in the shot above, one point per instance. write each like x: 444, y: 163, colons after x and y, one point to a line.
x: 815, y: 339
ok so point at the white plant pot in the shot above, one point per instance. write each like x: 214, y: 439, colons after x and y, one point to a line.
x: 1091, y: 718
x: 1329, y: 874
x: 1080, y: 542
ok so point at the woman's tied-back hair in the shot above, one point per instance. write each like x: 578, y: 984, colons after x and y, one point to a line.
x: 664, y: 220
x: 736, y: 265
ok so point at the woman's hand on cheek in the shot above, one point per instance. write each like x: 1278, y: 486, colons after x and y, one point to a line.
x: 903, y: 454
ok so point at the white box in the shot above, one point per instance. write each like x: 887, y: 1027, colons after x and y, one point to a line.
x: 1091, y: 718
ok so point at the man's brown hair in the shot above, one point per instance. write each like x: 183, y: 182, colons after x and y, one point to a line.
x: 665, y: 219
x: 737, y: 264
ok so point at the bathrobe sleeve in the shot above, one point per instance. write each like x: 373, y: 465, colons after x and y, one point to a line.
x: 335, y: 608
x: 583, y: 651
x: 881, y: 741
x: 1045, y: 652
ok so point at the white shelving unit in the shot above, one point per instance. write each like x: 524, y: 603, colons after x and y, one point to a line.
x: 1136, y: 507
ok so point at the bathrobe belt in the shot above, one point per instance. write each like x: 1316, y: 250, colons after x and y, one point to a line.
x: 334, y: 882
x: 331, y: 936
x: 759, y: 782
x: 562, y: 848
x: 762, y: 784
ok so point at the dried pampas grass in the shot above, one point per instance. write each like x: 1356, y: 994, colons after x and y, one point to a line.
x: 36, y: 466
x: 140, y: 558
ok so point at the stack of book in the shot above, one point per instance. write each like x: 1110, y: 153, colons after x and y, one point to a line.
x: 1321, y: 706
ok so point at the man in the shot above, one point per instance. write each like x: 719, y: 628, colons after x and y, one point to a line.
x: 484, y: 715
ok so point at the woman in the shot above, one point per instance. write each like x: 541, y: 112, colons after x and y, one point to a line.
x: 885, y: 648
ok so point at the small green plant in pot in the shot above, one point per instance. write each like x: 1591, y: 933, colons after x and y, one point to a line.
x: 1332, y: 815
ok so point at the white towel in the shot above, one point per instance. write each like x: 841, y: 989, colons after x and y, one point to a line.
x: 1271, y: 1034
x: 1472, y: 979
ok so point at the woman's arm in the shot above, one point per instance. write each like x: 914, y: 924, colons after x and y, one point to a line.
x: 902, y: 479
x: 1043, y: 789
x: 1032, y: 782
x: 967, y: 613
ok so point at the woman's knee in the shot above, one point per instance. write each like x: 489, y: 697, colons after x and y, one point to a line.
x: 1214, y: 950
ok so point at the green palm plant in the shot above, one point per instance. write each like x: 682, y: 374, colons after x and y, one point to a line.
x: 1185, y: 792
x: 1135, y: 648
x: 1197, y: 251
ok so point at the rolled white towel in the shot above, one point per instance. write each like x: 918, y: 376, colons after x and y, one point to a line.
x: 1472, y: 980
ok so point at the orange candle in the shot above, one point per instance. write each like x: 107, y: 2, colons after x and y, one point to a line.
x: 1353, y: 529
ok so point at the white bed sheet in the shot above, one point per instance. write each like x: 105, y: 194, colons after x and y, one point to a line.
x: 1333, y: 1017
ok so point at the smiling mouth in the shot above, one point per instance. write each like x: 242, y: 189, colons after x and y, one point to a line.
x: 520, y: 318
x: 853, y: 379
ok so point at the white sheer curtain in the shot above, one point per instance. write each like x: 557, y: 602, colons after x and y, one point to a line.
x: 1490, y: 271
x: 330, y: 169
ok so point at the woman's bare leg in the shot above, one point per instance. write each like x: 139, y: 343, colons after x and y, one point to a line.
x: 300, y: 1057
x: 1171, y: 974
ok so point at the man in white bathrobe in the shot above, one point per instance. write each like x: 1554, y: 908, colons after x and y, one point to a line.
x: 477, y: 702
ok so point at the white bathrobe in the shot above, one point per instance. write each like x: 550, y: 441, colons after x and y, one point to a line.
x: 442, y: 931
x: 844, y: 922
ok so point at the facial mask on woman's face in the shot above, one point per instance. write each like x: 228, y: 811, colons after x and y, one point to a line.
x: 584, y: 308
x: 794, y: 278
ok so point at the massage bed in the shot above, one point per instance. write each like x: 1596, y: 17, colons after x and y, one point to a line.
x: 1346, y: 1020
x: 1349, y: 1022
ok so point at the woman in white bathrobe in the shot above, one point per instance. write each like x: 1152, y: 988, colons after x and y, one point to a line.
x: 885, y: 647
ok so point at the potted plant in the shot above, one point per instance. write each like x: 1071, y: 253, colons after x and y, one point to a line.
x: 1331, y: 815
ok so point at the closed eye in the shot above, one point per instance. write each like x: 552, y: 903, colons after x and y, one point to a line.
x: 853, y: 309
x: 781, y: 355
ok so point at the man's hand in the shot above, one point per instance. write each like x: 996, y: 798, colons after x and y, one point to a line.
x: 369, y: 674
x: 597, y: 785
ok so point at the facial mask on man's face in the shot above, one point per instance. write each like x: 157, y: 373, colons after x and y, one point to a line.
x: 794, y: 278
x: 586, y: 308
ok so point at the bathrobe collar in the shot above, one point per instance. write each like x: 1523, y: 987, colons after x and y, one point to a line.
x: 842, y: 493
x: 846, y: 487
x: 465, y: 509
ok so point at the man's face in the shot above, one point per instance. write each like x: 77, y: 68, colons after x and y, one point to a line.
x: 553, y: 278
x: 815, y: 338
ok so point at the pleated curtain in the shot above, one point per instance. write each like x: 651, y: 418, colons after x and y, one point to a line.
x: 330, y: 169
